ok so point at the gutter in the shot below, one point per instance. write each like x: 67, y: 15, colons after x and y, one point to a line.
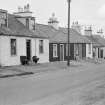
x: 2, y: 34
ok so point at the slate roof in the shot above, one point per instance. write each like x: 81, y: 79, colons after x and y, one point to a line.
x: 97, y: 40
x: 75, y: 37
x: 16, y: 28
x: 60, y: 36
x: 46, y: 30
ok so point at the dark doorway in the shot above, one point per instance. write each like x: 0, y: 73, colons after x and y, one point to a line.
x: 28, y: 49
x: 101, y: 53
x: 98, y: 52
x: 84, y: 50
x: 71, y: 51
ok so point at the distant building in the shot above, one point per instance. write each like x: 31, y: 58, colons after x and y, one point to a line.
x: 53, y: 22
x: 98, y: 43
x: 100, y: 32
x: 76, y: 26
x: 58, y: 49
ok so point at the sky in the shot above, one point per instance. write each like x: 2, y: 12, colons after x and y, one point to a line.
x: 86, y: 12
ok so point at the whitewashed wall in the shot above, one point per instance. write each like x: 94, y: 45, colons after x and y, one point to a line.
x: 5, y: 50
x: 96, y: 52
x: 87, y: 51
x: 45, y: 56
x: 103, y: 52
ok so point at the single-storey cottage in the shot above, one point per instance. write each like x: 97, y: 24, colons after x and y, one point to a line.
x: 98, y: 46
x: 98, y: 42
x: 58, y: 49
x: 18, y: 38
x: 79, y: 46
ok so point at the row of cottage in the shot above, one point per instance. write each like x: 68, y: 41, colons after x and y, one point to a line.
x: 20, y: 35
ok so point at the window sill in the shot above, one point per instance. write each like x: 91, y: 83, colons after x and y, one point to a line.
x: 13, y: 55
x: 55, y: 56
x: 41, y: 53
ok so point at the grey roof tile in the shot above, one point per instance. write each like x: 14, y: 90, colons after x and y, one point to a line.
x: 60, y: 36
x: 16, y: 28
x: 97, y: 40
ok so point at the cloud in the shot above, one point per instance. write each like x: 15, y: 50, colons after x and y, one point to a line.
x: 101, y: 11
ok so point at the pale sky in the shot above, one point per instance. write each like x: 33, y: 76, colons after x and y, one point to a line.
x: 86, y: 12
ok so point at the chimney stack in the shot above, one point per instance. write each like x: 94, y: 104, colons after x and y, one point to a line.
x: 53, y: 22
x: 100, y: 32
x: 88, y: 31
x: 76, y: 26
x: 23, y: 12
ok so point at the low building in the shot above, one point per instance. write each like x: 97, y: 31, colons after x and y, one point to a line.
x: 18, y: 38
x: 80, y: 46
x: 98, y: 42
x: 58, y: 49
x: 98, y: 46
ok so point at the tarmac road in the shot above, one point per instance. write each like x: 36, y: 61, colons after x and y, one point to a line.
x: 83, y: 85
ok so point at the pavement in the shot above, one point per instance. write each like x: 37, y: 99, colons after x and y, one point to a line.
x: 22, y: 70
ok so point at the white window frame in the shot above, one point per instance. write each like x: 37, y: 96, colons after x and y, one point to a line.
x: 77, y: 49
x: 41, y: 46
x: 13, y: 44
x: 55, y: 50
x: 67, y: 50
x: 89, y: 48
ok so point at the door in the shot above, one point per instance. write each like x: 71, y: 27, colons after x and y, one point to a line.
x: 28, y: 49
x: 84, y: 50
x: 98, y: 52
x: 101, y: 53
x: 71, y: 51
x: 80, y: 51
x: 61, y: 52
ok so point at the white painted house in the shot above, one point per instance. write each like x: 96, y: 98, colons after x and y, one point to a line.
x: 19, y: 38
x: 98, y: 43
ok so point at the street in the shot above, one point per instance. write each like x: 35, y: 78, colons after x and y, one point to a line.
x: 81, y: 85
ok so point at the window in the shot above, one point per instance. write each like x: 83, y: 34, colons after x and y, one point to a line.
x: 67, y: 49
x: 33, y: 23
x: 3, y: 19
x: 76, y: 49
x: 41, y: 46
x: 13, y: 46
x: 27, y: 23
x: 89, y: 49
x: 55, y: 50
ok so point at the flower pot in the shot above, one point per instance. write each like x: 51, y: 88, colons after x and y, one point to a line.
x: 35, y: 59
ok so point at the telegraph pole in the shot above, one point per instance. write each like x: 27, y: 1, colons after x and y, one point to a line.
x: 68, y: 59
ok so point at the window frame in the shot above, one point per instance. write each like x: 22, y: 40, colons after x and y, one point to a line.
x: 77, y: 49
x: 67, y: 49
x: 55, y: 50
x: 41, y: 46
x: 27, y: 23
x: 13, y: 48
x: 89, y: 48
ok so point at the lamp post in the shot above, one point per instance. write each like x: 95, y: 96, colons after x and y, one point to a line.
x: 68, y: 60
